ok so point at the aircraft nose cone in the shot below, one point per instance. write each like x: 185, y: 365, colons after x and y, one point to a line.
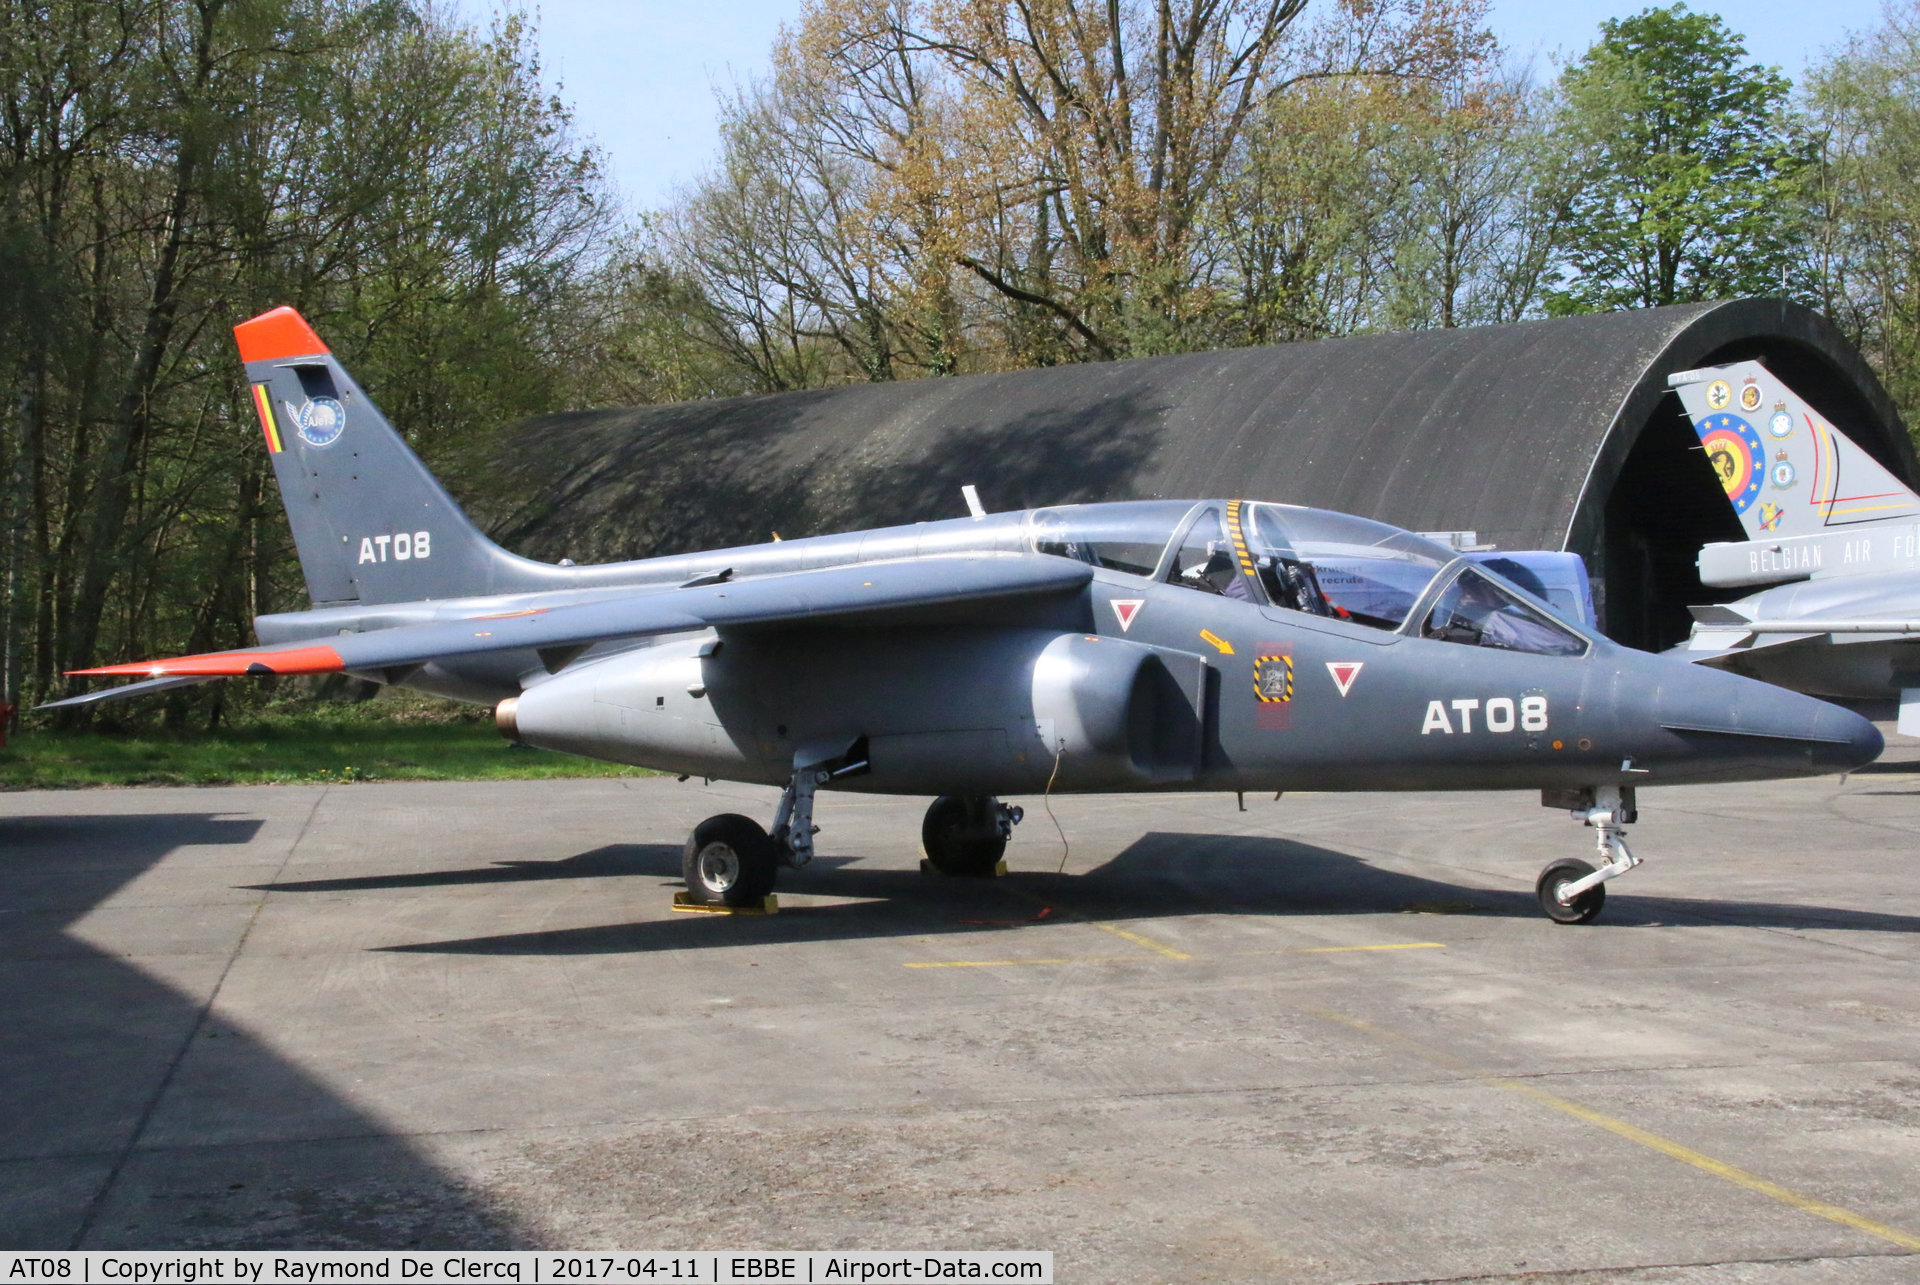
x: 1736, y: 727
x: 1846, y: 740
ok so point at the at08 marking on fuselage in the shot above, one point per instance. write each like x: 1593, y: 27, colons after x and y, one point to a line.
x: 1497, y: 715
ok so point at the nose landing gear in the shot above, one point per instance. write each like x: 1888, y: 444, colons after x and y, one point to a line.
x: 1572, y: 891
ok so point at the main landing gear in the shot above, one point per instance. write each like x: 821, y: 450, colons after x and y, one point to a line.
x: 731, y: 861
x: 966, y: 834
x: 1572, y: 891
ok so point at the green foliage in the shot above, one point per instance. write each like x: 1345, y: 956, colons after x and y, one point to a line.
x: 1678, y: 174
x: 1865, y: 103
x: 930, y: 186
x: 293, y: 741
x: 171, y: 167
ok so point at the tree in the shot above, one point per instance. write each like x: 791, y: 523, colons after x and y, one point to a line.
x: 926, y: 186
x: 1382, y: 202
x: 1865, y: 101
x: 1678, y: 174
x: 168, y: 167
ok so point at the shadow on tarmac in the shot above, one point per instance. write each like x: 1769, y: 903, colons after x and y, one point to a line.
x: 1888, y: 767
x: 103, y: 1062
x: 613, y: 860
x: 1161, y: 875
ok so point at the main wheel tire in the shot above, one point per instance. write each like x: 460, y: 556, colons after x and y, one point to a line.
x: 729, y: 861
x: 1557, y: 876
x: 961, y: 835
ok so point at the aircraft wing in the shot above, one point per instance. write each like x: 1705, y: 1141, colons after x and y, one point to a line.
x: 836, y: 595
x: 1849, y: 610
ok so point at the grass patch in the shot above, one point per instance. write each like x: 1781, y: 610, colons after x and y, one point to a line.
x: 398, y: 737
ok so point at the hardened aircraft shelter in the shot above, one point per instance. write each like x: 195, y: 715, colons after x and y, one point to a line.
x: 1542, y: 435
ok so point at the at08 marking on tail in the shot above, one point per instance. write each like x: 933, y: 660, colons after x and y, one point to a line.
x: 399, y: 546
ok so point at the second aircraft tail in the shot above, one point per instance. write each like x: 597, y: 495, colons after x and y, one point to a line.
x: 1786, y: 470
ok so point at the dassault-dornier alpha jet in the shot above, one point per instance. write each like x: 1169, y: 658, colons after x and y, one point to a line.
x: 1144, y: 645
x: 1822, y: 514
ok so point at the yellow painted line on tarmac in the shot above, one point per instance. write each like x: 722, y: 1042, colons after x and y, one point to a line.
x: 1652, y: 1141
x: 1014, y: 963
x: 1707, y: 1164
x: 1138, y: 939
x: 1135, y: 959
x: 1341, y: 950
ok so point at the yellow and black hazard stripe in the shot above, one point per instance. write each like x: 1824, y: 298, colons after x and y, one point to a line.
x: 1260, y: 664
x: 1239, y: 537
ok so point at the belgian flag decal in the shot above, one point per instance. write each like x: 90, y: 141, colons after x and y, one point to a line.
x: 264, y: 405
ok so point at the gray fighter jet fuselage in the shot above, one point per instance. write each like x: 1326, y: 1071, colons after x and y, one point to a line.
x: 1221, y: 645
x: 1132, y: 679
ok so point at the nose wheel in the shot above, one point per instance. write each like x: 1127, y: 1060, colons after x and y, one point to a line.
x: 1552, y: 887
x: 1572, y: 891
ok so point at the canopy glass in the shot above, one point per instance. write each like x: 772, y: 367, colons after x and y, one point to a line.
x: 1307, y: 560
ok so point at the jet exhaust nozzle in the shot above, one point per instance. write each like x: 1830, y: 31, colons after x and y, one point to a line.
x: 506, y: 717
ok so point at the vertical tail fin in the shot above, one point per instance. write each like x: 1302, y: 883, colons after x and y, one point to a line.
x: 1785, y: 470
x: 371, y: 524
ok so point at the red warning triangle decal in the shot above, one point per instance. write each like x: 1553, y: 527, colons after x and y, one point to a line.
x: 1344, y: 672
x: 1126, y: 609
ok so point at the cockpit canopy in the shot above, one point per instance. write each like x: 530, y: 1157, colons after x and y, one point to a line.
x: 1308, y: 560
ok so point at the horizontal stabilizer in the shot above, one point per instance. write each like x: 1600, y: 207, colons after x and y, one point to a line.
x: 125, y: 690
x: 837, y: 595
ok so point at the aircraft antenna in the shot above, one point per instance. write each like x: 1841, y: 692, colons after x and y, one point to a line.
x: 971, y: 494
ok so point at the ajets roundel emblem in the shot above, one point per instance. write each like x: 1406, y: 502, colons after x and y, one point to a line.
x: 321, y: 421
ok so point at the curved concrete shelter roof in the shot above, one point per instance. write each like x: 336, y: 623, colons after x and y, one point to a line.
x: 1548, y: 434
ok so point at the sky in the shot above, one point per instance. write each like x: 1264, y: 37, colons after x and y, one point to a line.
x: 642, y: 75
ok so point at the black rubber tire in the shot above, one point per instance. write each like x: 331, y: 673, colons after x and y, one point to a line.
x: 1557, y: 876
x: 961, y: 835
x: 729, y: 861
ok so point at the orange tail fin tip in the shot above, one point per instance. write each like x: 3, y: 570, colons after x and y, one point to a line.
x: 278, y: 333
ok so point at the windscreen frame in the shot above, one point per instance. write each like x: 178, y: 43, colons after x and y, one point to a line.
x: 1415, y: 624
x: 1062, y: 515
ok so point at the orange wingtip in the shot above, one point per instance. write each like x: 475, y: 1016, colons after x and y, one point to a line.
x: 228, y: 664
x: 279, y: 333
